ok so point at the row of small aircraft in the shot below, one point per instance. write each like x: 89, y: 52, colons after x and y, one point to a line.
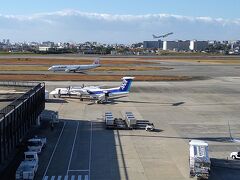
x: 96, y: 93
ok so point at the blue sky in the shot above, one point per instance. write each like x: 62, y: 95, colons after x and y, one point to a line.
x: 213, y: 8
x: 118, y: 21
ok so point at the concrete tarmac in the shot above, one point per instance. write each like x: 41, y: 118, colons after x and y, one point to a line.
x: 206, y: 110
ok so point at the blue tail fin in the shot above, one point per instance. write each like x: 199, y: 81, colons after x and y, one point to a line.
x: 126, y: 84
x: 96, y: 61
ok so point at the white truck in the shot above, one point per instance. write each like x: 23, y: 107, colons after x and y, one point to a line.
x: 36, y: 144
x: 49, y: 115
x: 150, y: 127
x: 28, y: 168
x: 235, y: 155
x: 199, y: 161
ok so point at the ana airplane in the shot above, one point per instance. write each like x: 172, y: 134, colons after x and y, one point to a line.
x: 75, y: 68
x: 162, y: 36
x: 96, y: 93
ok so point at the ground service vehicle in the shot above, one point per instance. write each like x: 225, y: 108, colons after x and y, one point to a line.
x: 49, y: 115
x: 109, y: 120
x: 37, y: 144
x: 235, y: 155
x: 28, y: 168
x: 150, y: 127
x: 130, y: 119
x: 199, y: 161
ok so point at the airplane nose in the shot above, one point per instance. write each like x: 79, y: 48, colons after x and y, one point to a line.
x: 50, y: 68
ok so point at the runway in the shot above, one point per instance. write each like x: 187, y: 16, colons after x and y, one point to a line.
x: 174, y: 69
x: 196, y: 67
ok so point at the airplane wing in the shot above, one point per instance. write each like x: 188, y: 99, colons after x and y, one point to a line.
x: 165, y: 35
x: 162, y: 36
x: 71, y: 69
x: 154, y: 36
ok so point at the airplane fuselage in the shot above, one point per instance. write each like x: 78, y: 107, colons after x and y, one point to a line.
x: 96, y: 93
x: 73, y: 68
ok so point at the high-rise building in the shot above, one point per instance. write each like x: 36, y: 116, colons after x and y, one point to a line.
x: 198, y: 45
x: 176, y: 45
x: 153, y: 44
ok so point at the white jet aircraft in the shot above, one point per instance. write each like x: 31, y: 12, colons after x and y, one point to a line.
x: 162, y: 36
x: 96, y: 93
x: 75, y: 68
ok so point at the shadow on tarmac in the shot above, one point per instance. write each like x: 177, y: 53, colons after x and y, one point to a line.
x: 95, y: 148
x: 56, y: 101
x: 223, y: 169
x: 213, y: 139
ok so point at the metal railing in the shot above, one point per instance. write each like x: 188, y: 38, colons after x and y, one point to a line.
x: 17, y: 102
x: 18, y: 83
x: 17, y: 118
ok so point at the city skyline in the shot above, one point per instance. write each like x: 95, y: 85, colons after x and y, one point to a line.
x: 127, y: 22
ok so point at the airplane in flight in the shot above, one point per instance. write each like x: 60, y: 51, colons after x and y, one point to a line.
x: 162, y: 36
x: 96, y: 93
x: 75, y: 68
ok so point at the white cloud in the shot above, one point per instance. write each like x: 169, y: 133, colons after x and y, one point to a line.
x: 72, y: 25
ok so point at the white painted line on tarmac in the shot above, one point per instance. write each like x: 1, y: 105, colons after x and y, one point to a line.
x: 78, y: 170
x: 54, y: 150
x: 90, y: 153
x: 72, y: 177
x: 72, y: 148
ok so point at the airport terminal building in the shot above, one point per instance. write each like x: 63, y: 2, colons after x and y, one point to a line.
x: 20, y: 106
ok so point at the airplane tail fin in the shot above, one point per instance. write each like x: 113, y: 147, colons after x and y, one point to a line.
x: 126, y: 84
x: 96, y: 61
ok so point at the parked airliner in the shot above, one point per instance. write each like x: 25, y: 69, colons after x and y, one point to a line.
x: 96, y: 93
x: 75, y: 68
